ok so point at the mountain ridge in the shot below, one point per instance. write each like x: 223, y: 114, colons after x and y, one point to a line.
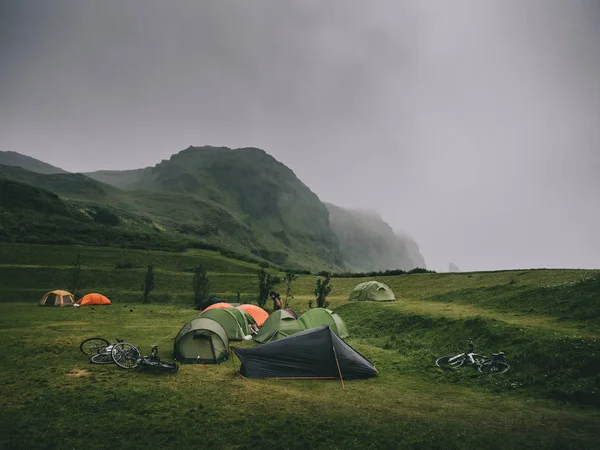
x: 242, y: 200
x: 10, y: 158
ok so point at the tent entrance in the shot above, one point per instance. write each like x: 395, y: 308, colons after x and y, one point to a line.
x: 204, y: 344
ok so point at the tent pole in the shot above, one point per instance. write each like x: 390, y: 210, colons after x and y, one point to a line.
x: 338, y: 366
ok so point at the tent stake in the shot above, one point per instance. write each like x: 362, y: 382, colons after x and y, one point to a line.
x: 338, y: 366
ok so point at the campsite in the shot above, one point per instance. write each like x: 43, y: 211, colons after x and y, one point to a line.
x: 546, y: 321
x: 255, y: 225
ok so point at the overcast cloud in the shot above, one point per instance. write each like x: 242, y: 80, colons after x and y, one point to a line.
x: 474, y: 126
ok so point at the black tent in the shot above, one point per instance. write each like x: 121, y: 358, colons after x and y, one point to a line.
x: 315, y: 353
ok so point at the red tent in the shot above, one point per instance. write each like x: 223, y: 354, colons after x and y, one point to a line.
x: 93, y: 299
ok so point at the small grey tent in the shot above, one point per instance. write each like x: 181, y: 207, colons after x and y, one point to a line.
x: 372, y: 291
x: 314, y: 353
x: 201, y: 341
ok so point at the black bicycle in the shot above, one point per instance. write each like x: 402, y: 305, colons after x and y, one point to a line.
x: 127, y: 356
x: 484, y: 364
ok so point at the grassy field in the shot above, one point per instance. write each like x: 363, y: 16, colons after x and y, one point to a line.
x: 547, y: 322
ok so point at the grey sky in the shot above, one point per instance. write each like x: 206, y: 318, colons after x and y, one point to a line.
x: 472, y: 125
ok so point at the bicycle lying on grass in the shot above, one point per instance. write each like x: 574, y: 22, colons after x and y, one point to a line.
x: 99, y: 350
x: 124, y: 355
x: 127, y: 356
x: 484, y: 364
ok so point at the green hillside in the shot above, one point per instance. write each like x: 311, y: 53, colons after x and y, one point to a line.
x: 241, y: 201
x: 33, y: 215
x: 546, y: 321
x: 70, y: 186
x: 28, y: 163
x: 280, y: 214
x: 15, y: 196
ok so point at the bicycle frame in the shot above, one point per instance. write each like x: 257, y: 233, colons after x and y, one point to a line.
x: 470, y: 357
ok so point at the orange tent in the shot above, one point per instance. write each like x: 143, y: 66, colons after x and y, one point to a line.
x: 218, y: 305
x: 258, y: 314
x: 93, y: 299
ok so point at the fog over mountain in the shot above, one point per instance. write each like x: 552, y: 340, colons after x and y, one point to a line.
x: 471, y: 125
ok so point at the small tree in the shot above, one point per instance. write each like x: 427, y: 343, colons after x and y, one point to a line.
x: 266, y: 282
x: 322, y: 291
x: 290, y: 277
x: 200, y: 285
x: 76, y: 275
x: 148, y: 285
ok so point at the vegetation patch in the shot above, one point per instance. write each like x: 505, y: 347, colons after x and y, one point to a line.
x: 577, y: 299
x: 543, y: 363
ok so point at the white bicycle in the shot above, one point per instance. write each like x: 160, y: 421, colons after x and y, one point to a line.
x: 100, y: 350
x: 484, y: 364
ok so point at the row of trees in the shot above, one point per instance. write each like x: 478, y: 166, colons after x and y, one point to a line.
x: 201, y: 285
x: 266, y: 283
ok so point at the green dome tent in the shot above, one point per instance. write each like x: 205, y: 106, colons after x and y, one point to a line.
x: 247, y: 317
x: 280, y: 324
x: 321, y: 316
x: 201, y: 341
x: 231, y: 319
x: 372, y: 291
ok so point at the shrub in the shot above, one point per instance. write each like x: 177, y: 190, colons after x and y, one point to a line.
x: 322, y: 291
x: 200, y: 285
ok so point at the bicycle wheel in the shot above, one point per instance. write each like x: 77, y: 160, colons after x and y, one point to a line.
x: 493, y: 367
x: 445, y: 363
x: 93, y: 346
x: 102, y: 358
x: 125, y: 355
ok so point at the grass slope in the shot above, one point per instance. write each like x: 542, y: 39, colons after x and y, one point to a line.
x: 35, y: 215
x: 549, y: 398
x: 70, y: 186
x: 28, y: 163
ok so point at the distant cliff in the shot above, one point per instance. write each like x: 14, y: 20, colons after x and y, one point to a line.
x: 368, y: 243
